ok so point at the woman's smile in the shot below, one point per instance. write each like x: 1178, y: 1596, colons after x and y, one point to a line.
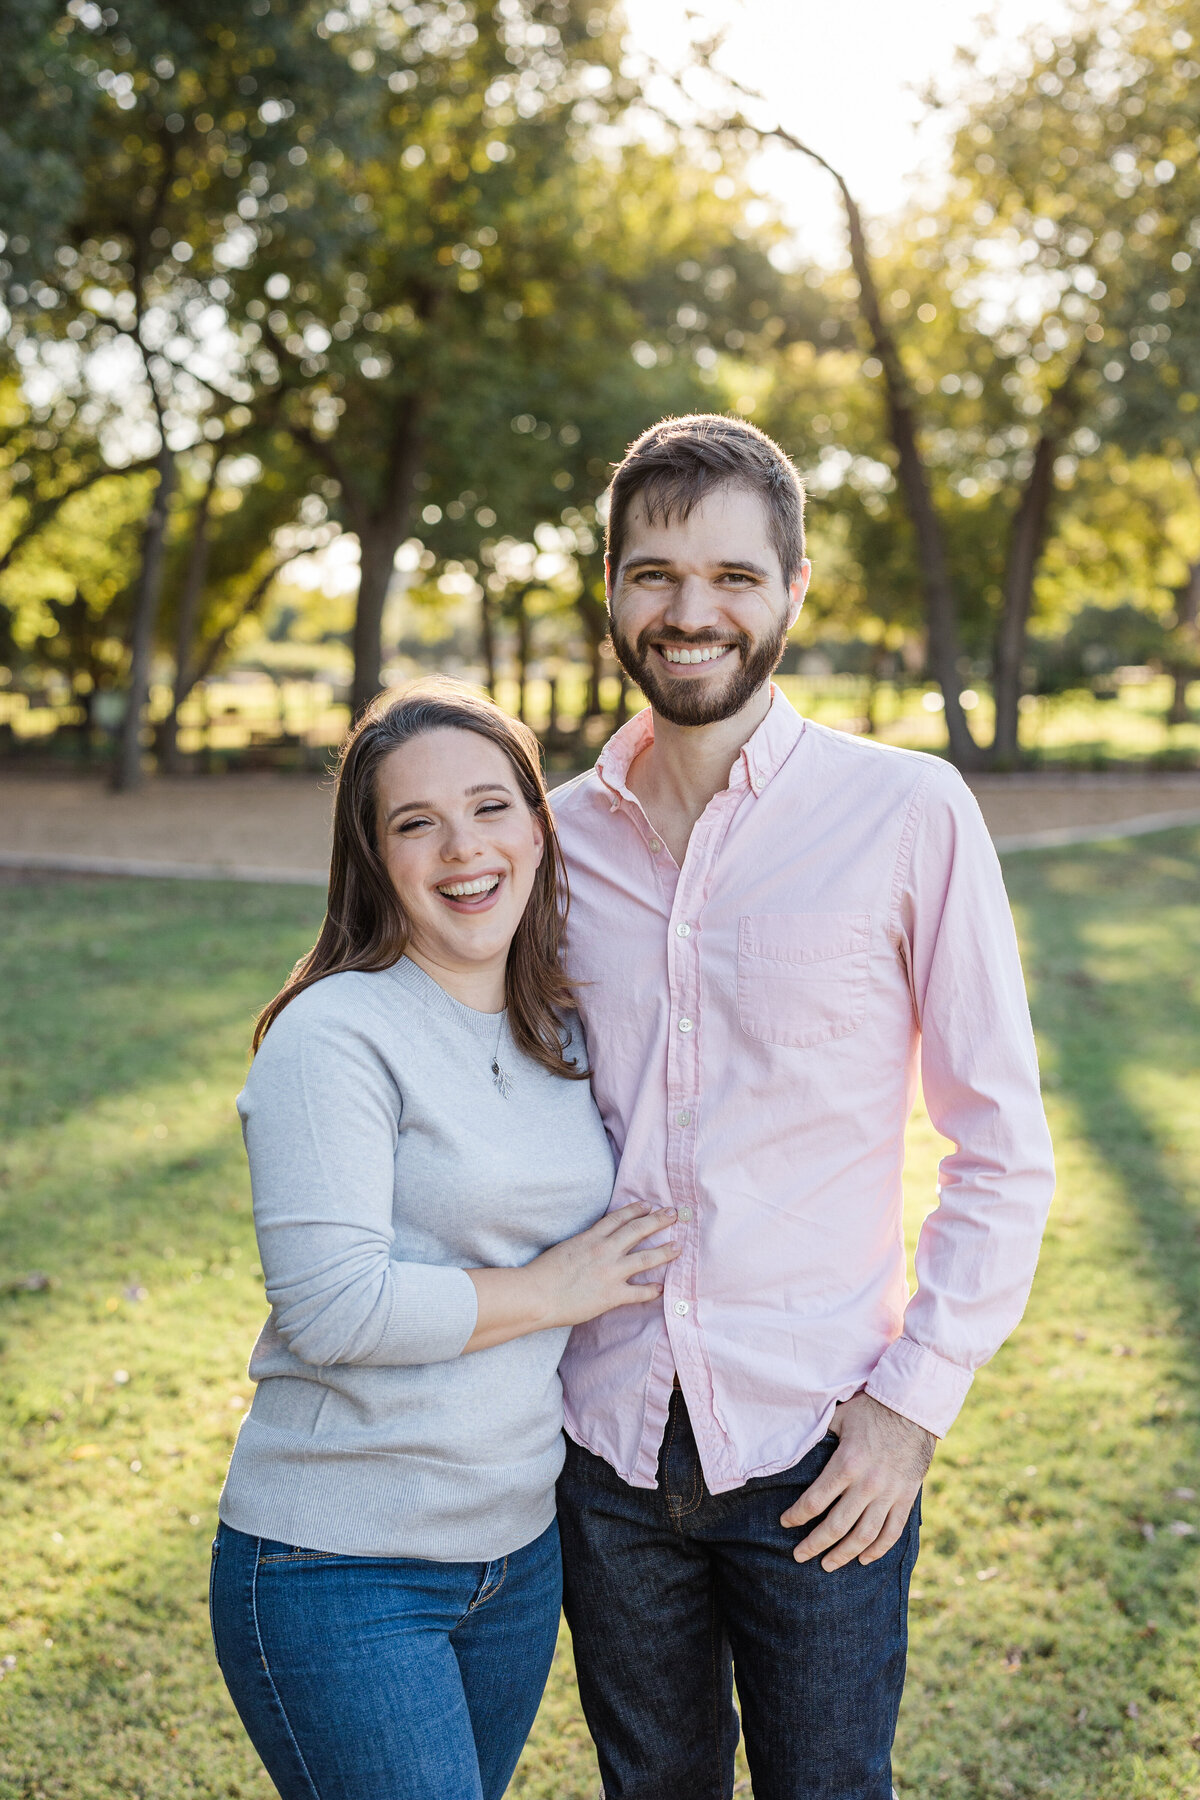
x: 476, y: 895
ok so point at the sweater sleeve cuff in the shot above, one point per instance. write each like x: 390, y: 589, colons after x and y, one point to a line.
x: 920, y: 1385
x: 433, y: 1314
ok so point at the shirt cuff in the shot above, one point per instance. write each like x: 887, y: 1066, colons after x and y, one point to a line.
x: 920, y: 1385
x: 434, y: 1310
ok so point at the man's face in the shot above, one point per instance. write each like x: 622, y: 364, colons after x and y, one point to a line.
x: 700, y: 608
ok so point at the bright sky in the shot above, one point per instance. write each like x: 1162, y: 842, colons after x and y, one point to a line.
x: 845, y: 75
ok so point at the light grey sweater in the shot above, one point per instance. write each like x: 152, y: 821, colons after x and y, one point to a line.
x: 384, y: 1162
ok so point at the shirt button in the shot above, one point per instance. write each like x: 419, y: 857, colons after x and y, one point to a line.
x: 683, y: 931
x: 681, y: 1308
x: 685, y: 1215
x: 685, y: 1024
x: 655, y: 845
x: 683, y: 1118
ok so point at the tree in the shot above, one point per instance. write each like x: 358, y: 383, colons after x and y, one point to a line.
x: 468, y: 354
x: 181, y: 112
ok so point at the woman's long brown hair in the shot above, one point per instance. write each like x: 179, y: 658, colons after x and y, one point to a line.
x: 365, y: 926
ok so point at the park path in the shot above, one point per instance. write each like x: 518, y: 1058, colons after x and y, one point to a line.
x: 276, y: 827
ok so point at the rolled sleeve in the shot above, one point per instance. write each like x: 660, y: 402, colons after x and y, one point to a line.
x: 320, y: 1117
x: 977, y: 1251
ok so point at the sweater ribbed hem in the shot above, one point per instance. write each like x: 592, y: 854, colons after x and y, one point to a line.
x: 350, y: 1503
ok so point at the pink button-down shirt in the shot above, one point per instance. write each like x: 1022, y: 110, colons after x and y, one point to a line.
x: 757, y: 1022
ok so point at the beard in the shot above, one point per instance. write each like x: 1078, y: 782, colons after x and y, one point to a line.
x: 688, y: 702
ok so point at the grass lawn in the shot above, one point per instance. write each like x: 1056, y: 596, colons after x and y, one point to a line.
x: 1056, y: 1634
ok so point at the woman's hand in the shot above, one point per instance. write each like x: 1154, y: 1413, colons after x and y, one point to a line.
x: 588, y: 1275
x: 578, y: 1279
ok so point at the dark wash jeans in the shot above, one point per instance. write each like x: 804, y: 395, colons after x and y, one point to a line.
x: 670, y: 1592
x: 383, y: 1677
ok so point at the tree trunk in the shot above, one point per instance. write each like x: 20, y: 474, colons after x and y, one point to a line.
x: 487, y: 640
x: 191, y: 593
x: 521, y: 619
x: 127, y: 773
x: 379, y: 547
x: 593, y: 618
x: 1183, y: 673
x: 1024, y: 551
x: 941, y: 602
x: 380, y: 536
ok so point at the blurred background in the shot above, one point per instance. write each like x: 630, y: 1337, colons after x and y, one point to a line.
x: 325, y: 328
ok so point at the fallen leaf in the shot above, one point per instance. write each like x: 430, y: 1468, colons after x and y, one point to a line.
x: 985, y: 1574
x: 83, y: 1451
x: 1131, y: 1711
x: 1183, y: 1493
x: 1181, y: 1528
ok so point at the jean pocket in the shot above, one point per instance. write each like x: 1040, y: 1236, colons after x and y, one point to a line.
x: 270, y: 1550
x: 802, y: 977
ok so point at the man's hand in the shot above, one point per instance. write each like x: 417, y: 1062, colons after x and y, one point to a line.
x: 869, y: 1484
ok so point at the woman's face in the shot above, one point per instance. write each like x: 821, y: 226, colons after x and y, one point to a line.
x: 461, y: 847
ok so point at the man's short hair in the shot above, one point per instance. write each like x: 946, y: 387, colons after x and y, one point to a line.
x: 675, y: 464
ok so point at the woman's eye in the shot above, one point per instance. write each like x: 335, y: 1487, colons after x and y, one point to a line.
x: 411, y: 825
x: 494, y: 806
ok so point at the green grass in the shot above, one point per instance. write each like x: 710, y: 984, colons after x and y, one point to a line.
x: 1072, y: 1670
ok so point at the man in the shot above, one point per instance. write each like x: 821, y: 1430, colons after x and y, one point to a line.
x: 769, y: 922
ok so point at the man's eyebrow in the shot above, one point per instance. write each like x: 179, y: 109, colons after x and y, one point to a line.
x: 734, y: 565
x: 481, y: 787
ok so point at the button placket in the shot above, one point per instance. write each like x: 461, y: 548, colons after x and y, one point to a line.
x: 683, y: 1061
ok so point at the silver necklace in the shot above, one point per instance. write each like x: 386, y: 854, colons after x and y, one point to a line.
x: 500, y: 1076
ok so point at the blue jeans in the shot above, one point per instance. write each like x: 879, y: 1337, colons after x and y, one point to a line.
x: 670, y: 1592
x: 383, y: 1677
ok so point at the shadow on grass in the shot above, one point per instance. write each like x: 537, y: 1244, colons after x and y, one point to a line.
x: 1112, y: 945
x: 1099, y: 1029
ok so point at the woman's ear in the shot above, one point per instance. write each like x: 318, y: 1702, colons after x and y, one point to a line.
x: 539, y: 840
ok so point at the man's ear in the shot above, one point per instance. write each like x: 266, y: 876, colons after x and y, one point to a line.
x: 608, y: 575
x: 797, y: 592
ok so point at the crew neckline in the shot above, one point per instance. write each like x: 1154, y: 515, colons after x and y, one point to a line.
x: 421, y: 984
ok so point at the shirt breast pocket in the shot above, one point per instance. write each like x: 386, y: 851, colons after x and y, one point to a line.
x: 802, y: 977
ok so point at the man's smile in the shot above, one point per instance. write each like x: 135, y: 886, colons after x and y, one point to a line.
x: 677, y: 655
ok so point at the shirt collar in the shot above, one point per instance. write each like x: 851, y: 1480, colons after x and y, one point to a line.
x: 761, y: 756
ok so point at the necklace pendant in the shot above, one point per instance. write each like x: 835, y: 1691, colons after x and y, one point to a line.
x: 501, y: 1079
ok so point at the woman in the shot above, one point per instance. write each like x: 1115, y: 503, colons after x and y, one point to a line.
x: 421, y: 1136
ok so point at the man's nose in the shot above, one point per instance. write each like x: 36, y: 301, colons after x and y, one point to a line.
x: 691, y: 606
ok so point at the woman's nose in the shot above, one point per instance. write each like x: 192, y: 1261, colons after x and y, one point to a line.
x: 460, y: 841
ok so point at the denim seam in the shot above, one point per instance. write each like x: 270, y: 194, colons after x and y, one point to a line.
x: 212, y: 1578
x: 679, y: 1513
x: 483, y: 1598
x: 714, y: 1687
x: 262, y: 1657
x: 293, y: 1556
